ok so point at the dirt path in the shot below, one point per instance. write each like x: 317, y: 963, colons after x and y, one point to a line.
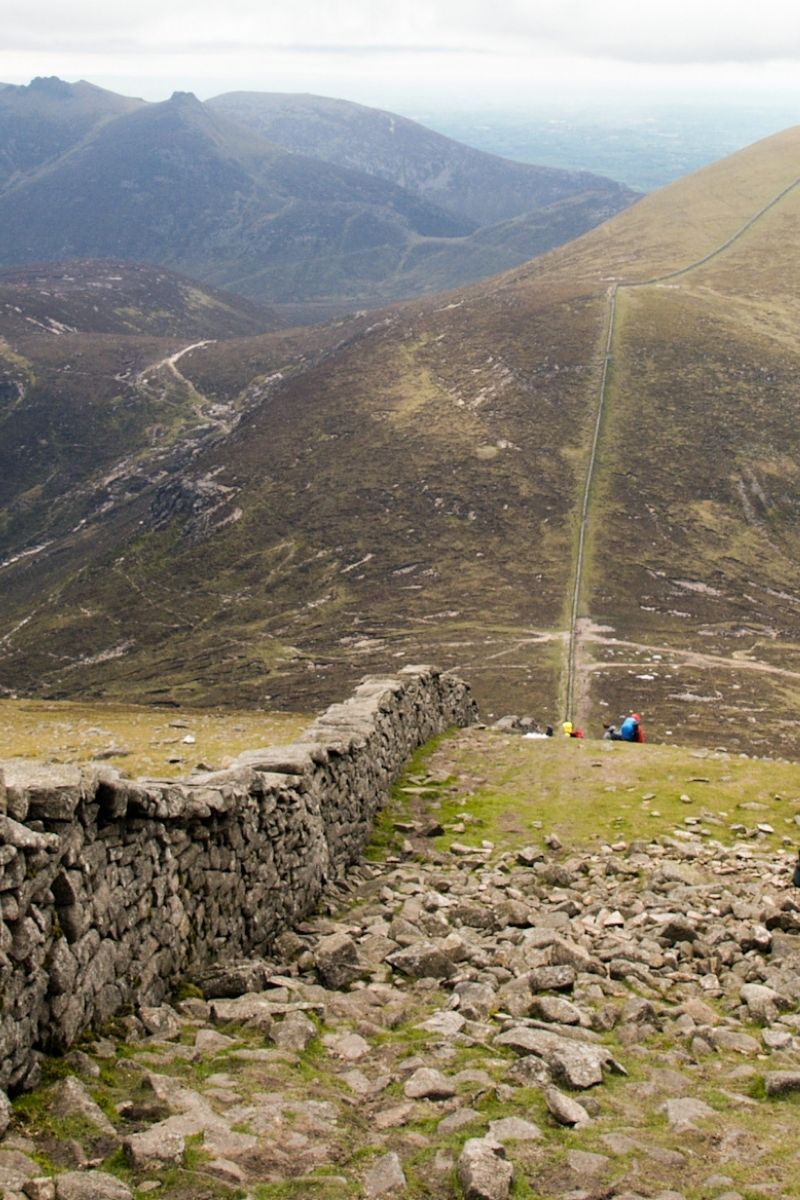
x: 172, y: 359
x: 690, y: 657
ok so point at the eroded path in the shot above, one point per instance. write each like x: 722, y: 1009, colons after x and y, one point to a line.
x: 171, y: 361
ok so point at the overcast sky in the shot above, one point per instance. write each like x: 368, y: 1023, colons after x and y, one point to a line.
x: 451, y: 51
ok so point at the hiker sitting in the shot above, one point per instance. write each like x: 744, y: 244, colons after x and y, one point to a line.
x: 631, y: 729
x: 610, y: 733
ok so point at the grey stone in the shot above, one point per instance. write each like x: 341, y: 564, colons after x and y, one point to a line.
x: 391, y: 1118
x: 678, y: 929
x: 586, y: 1164
x: 555, y: 1009
x: 161, y: 1022
x: 428, y: 1083
x: 209, y: 1042
x: 514, y: 1129
x: 12, y: 833
x: 224, y: 1169
x: 475, y: 1000
x: 446, y: 1023
x: 295, y: 1032
x: 254, y: 1010
x: 564, y: 1109
x: 384, y: 1177
x: 91, y: 1185
x: 552, y: 979
x: 683, y: 1112
x: 777, y: 1039
x: 577, y: 1064
x: 565, y: 952
x: 782, y: 1083
x: 337, y: 961
x: 733, y: 1039
x: 154, y: 1148
x: 484, y: 1173
x: 428, y: 960
x: 69, y: 1098
x: 5, y: 1113
x: 458, y: 1120
x: 43, y: 1188
x: 349, y: 1046
x: 763, y: 1003
x: 16, y: 1168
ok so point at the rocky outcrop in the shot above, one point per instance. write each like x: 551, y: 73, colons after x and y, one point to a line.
x: 111, y: 890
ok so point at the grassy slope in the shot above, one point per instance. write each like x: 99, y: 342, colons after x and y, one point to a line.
x: 592, y: 793
x: 695, y: 532
x: 137, y: 741
x: 409, y: 489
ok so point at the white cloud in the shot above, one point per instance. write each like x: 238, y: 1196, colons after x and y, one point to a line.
x: 356, y: 45
x: 677, y: 31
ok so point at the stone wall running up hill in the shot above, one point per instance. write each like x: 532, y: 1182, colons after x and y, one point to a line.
x: 111, y: 890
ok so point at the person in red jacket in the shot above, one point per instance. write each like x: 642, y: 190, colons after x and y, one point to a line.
x: 638, y: 733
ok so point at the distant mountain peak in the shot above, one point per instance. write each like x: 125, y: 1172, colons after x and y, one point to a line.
x: 48, y: 85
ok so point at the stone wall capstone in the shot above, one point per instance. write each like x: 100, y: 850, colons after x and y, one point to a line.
x: 112, y: 890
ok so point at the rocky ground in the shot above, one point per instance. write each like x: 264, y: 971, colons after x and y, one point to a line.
x: 544, y: 1022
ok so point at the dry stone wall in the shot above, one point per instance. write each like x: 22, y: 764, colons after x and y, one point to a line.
x: 112, y: 890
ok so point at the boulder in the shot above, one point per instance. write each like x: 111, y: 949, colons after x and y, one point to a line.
x: 423, y: 960
x: 384, y: 1177
x: 337, y: 962
x: 782, y: 1083
x: 231, y: 979
x: 483, y: 1171
x: 427, y: 1083
x: 154, y: 1149
x: 564, y: 1109
x: 69, y: 1098
x: 295, y: 1032
x: 514, y: 1129
x: 576, y: 1064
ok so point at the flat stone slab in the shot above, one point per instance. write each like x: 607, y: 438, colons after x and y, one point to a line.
x: 91, y: 1185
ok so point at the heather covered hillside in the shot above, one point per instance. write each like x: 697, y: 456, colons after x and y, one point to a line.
x: 294, y: 508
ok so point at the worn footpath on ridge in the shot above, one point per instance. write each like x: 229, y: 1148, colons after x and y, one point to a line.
x: 574, y: 974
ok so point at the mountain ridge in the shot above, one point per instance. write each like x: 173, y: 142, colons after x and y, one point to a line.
x: 180, y: 184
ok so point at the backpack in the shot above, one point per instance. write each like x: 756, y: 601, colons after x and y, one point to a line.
x: 627, y: 730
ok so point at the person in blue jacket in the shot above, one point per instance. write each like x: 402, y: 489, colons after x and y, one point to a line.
x: 631, y: 729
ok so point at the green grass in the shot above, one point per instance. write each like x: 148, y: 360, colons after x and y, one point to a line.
x: 63, y: 731
x: 589, y: 792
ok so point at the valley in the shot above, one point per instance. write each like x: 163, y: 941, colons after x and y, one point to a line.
x: 574, y: 483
